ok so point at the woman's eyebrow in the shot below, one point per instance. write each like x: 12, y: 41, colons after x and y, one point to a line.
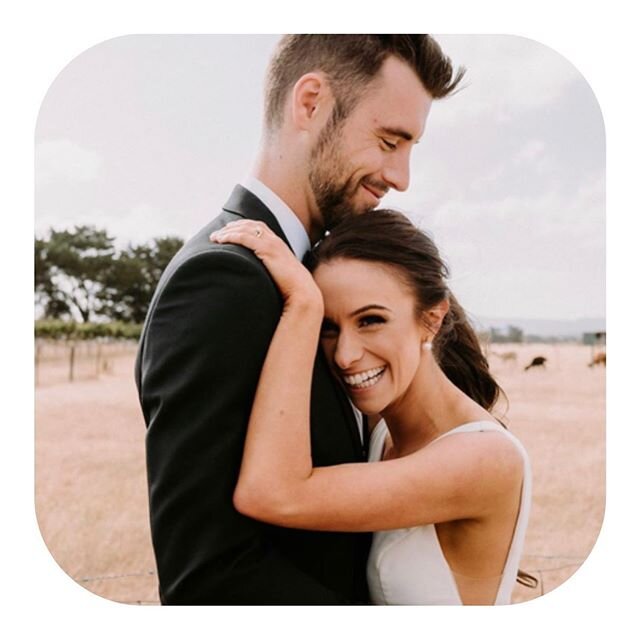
x: 369, y: 307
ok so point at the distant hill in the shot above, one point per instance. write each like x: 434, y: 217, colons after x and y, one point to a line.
x: 543, y: 327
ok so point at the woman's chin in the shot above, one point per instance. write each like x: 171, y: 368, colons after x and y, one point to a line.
x: 367, y: 405
x: 367, y: 399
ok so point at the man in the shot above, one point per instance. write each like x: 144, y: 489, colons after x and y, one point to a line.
x: 342, y: 114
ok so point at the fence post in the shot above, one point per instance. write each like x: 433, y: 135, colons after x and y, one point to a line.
x: 72, y: 354
x: 98, y: 354
x: 37, y: 362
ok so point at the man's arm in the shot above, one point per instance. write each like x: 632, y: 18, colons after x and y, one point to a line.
x: 205, y: 343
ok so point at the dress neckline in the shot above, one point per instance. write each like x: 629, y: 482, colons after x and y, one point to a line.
x: 383, y: 425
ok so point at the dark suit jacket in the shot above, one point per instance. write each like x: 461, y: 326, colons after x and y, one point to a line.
x: 205, y: 338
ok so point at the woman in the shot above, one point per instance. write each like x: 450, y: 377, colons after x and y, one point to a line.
x: 448, y: 488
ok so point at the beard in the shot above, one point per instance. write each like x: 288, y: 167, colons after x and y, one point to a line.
x: 329, y: 179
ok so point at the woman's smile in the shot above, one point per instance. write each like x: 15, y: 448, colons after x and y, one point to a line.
x: 371, y: 335
x: 365, y: 379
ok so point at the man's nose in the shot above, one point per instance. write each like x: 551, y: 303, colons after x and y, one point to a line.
x: 396, y: 172
x: 348, y: 351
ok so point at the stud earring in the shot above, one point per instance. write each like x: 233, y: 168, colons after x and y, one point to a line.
x: 426, y: 345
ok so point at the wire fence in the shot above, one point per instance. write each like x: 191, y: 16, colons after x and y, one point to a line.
x: 64, y: 361
x: 539, y: 573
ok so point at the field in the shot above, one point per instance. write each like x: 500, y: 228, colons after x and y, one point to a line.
x: 91, y: 499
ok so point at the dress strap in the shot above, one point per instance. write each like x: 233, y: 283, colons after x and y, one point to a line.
x: 510, y: 572
x: 472, y: 427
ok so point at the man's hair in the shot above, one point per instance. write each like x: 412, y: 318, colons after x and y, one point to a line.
x: 350, y: 63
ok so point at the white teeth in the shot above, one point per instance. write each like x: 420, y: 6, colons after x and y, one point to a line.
x: 364, y: 379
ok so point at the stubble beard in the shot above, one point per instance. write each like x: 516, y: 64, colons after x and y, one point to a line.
x: 328, y: 167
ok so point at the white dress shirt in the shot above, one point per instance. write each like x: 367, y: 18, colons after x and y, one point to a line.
x: 294, y: 232
x: 288, y: 220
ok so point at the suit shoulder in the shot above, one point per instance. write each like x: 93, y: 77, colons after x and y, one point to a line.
x: 217, y: 260
x: 196, y: 279
x: 201, y: 269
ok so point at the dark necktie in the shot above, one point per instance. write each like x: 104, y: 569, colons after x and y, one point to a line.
x: 365, y: 436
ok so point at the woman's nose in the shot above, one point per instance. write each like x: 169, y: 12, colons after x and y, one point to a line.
x: 348, y: 351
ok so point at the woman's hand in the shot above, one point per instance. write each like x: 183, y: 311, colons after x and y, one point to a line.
x: 291, y: 277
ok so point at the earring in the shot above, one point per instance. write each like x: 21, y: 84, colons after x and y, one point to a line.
x: 426, y: 345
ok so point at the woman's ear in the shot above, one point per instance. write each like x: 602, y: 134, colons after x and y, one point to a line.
x: 310, y: 97
x: 434, y: 317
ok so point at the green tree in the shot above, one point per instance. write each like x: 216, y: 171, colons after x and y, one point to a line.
x: 70, y: 268
x: 133, y: 278
x: 44, y: 287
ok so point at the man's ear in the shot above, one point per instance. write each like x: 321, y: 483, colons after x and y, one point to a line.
x: 434, y: 317
x: 311, y: 96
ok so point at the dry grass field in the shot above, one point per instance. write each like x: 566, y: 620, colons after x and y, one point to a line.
x: 91, y: 498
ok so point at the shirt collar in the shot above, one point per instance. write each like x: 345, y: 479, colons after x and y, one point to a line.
x: 288, y: 220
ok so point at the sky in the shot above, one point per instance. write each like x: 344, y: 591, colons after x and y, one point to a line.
x: 147, y: 135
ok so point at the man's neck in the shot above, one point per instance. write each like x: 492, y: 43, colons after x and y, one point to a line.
x: 289, y: 222
x: 285, y: 182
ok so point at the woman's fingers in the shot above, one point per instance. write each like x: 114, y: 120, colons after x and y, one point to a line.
x: 291, y: 277
x: 259, y: 238
x: 251, y: 234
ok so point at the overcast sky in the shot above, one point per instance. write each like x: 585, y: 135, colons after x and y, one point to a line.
x: 146, y: 136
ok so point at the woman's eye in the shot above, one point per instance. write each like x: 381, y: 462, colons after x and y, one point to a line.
x: 328, y: 329
x: 371, y: 320
x: 389, y: 145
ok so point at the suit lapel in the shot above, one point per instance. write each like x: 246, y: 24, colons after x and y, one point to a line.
x: 245, y: 204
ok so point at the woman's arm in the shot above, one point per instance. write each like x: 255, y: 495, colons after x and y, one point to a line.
x: 462, y: 476
x: 277, y: 449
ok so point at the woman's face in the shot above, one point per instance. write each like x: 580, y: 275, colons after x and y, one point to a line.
x: 370, y: 334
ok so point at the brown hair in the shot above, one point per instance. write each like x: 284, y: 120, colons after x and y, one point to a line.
x: 351, y: 62
x: 388, y: 237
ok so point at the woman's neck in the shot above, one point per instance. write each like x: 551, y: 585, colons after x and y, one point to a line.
x: 430, y: 407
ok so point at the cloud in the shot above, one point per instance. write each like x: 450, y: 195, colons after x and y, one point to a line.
x: 530, y: 152
x: 506, y: 75
x: 542, y: 254
x: 65, y: 161
x: 144, y: 221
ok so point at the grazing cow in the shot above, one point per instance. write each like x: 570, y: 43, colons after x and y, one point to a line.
x: 536, y: 361
x: 599, y: 358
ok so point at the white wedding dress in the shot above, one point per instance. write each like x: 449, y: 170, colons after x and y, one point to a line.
x: 407, y: 566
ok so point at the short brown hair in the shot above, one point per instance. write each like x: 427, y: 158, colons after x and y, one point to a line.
x: 351, y: 62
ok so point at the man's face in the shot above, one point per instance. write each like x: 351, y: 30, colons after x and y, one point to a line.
x: 356, y: 161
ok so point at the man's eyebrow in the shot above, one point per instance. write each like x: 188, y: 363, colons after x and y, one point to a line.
x: 398, y: 133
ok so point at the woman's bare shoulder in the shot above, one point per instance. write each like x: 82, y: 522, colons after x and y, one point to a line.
x: 489, y: 460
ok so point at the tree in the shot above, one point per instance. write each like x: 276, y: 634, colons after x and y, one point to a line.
x: 44, y: 287
x: 133, y: 277
x: 515, y: 334
x: 69, y: 272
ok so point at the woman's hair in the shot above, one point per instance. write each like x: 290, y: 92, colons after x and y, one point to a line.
x: 389, y: 238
